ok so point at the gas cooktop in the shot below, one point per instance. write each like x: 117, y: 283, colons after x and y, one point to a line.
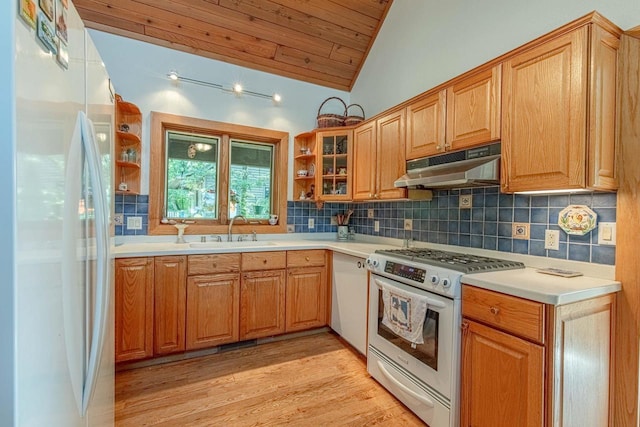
x: 464, y: 263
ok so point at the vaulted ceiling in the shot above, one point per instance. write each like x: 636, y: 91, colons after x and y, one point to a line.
x: 318, y: 41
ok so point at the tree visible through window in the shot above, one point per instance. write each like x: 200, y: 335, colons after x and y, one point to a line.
x: 251, y: 176
x: 192, y: 176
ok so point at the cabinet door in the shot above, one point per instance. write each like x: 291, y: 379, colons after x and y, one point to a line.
x: 336, y: 165
x: 544, y: 115
x: 364, y: 162
x: 602, y: 173
x: 426, y: 119
x: 170, y: 300
x: 502, y: 379
x: 262, y: 304
x: 213, y: 307
x: 306, y: 298
x: 133, y: 308
x: 390, y: 156
x: 473, y: 110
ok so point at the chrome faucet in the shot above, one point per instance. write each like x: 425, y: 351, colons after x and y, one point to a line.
x: 229, y: 235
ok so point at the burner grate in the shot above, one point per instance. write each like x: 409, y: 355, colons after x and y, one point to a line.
x: 465, y: 263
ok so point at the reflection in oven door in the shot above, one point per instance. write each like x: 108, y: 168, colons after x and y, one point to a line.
x: 427, y: 352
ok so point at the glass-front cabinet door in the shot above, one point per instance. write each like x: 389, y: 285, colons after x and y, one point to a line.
x: 335, y: 149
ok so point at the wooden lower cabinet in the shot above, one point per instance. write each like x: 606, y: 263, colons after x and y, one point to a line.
x: 133, y: 308
x: 502, y: 380
x: 262, y: 304
x: 213, y: 307
x: 169, y: 299
x: 525, y: 363
x: 306, y: 298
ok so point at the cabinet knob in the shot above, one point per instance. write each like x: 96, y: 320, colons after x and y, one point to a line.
x: 494, y: 310
x: 264, y: 261
x: 214, y: 265
x: 371, y: 195
x: 306, y: 258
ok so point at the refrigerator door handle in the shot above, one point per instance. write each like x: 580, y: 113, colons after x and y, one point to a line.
x: 101, y: 215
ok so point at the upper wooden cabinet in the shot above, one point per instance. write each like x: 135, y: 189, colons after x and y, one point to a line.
x: 558, y: 123
x: 325, y: 156
x: 379, y: 158
x: 426, y: 121
x: 473, y: 110
x: 133, y: 308
x: 461, y: 116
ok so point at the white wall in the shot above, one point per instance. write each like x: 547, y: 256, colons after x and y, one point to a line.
x: 139, y: 73
x: 423, y: 43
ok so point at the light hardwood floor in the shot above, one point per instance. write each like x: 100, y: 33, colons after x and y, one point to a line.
x: 314, y: 380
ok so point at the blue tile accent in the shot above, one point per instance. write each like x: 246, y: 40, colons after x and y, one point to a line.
x: 488, y: 224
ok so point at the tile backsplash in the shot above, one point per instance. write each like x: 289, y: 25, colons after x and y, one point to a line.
x: 488, y: 224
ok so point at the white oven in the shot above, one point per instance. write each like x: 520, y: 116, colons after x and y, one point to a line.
x: 414, y: 327
x: 423, y: 376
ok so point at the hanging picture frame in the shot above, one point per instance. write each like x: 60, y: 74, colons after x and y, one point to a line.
x: 48, y: 7
x: 47, y: 34
x: 61, y: 21
x: 28, y: 12
x: 63, y: 54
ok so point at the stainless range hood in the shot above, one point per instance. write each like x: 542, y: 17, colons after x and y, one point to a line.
x: 474, y: 167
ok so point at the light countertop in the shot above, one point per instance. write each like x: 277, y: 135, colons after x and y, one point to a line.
x: 525, y: 283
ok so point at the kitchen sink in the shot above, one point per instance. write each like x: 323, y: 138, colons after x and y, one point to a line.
x: 242, y: 244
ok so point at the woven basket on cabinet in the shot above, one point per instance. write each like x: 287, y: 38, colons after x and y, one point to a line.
x: 352, y: 119
x: 327, y: 120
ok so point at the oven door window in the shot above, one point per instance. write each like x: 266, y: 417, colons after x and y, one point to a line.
x: 426, y: 352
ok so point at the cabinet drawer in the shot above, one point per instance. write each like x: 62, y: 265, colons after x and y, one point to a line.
x: 512, y: 314
x: 311, y: 258
x: 263, y: 260
x: 218, y: 263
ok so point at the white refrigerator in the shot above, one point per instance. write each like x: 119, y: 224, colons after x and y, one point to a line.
x: 56, y: 288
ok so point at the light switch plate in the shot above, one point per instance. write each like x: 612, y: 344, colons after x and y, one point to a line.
x: 311, y: 223
x: 408, y: 224
x: 291, y: 228
x: 376, y: 226
x: 334, y: 221
x: 369, y: 213
x: 607, y: 233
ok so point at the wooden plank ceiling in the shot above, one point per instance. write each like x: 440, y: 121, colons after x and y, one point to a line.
x: 318, y: 41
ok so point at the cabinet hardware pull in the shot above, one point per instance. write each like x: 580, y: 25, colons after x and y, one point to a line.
x: 464, y: 327
x: 306, y: 258
x: 494, y: 310
x: 264, y: 261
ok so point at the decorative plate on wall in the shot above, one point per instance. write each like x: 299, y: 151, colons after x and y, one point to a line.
x: 577, y: 220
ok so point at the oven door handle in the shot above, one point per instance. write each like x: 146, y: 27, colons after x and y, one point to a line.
x: 403, y: 387
x: 430, y: 301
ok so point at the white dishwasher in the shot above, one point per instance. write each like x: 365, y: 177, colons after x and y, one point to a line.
x: 349, y: 290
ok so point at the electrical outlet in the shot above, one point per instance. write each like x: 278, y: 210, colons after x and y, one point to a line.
x: 552, y: 239
x: 408, y: 224
x: 334, y: 221
x: 465, y: 201
x: 520, y: 230
x: 376, y: 226
x: 311, y: 223
x: 291, y: 228
x: 118, y: 219
x: 369, y: 213
x: 134, y: 223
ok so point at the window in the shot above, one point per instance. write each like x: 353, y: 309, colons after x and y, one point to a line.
x: 204, y: 173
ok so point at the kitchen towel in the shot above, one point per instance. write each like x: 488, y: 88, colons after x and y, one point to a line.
x: 403, y: 313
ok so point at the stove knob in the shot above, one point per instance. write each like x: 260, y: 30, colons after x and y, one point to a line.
x: 445, y: 282
x: 434, y: 280
x: 372, y: 263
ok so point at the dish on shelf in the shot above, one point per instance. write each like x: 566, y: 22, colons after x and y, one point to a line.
x: 577, y: 220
